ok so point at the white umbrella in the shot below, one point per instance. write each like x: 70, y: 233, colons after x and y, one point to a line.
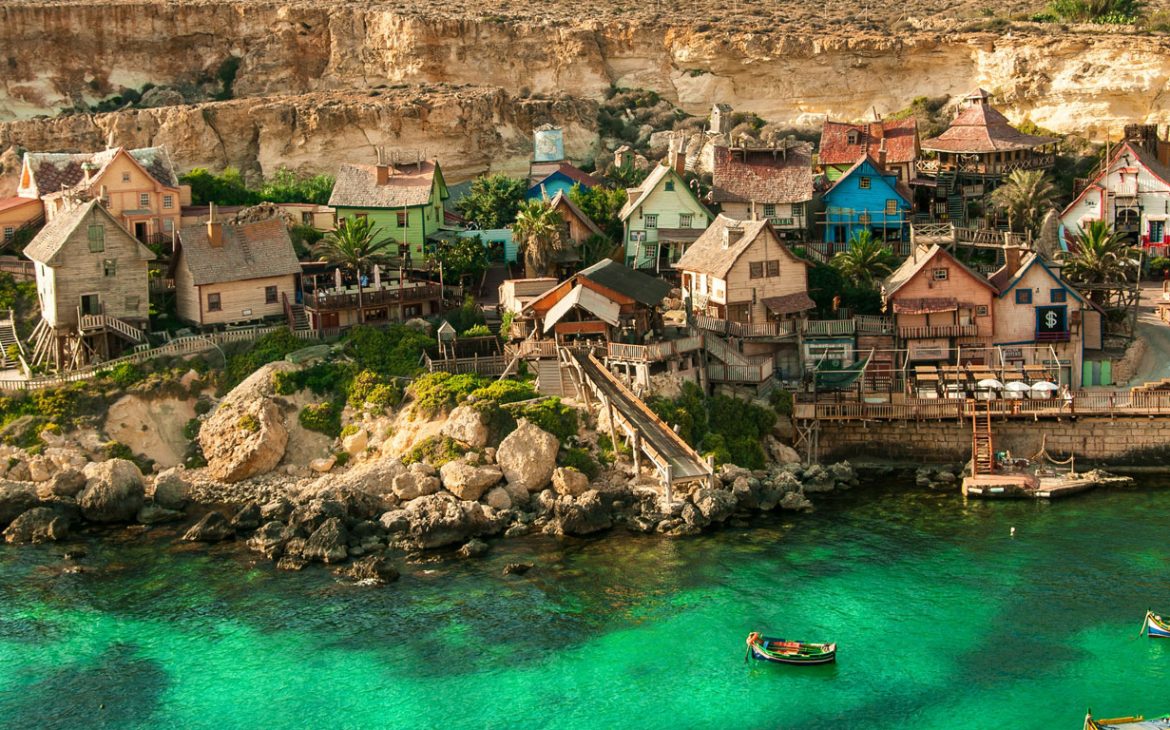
x: 991, y: 383
x: 337, y: 278
x: 1016, y: 389
x: 377, y: 276
x: 1045, y: 385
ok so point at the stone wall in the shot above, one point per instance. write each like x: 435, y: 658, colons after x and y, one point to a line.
x: 1092, y: 440
x: 1126, y: 367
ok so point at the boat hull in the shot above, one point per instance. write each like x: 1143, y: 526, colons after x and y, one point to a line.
x: 1157, y: 627
x: 763, y: 651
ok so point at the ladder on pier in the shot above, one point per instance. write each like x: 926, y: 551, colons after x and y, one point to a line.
x: 982, y: 447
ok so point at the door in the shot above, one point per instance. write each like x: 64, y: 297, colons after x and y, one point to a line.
x: 91, y: 304
x: 140, y: 231
x: 1157, y: 231
x: 330, y: 320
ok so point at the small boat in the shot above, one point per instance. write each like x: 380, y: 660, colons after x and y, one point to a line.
x: 1155, y: 626
x: 1136, y: 722
x: 771, y: 649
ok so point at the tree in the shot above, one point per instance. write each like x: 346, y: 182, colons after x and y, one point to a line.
x: 539, y: 232
x: 285, y: 186
x: 866, y: 260
x: 1100, y: 256
x: 355, y: 245
x: 226, y: 188
x: 462, y: 258
x: 493, y: 200
x: 1025, y: 198
x: 603, y: 206
x: 596, y: 248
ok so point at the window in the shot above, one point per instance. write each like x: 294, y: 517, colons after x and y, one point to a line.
x: 854, y: 137
x: 306, y: 219
x: 1023, y: 296
x: 168, y: 225
x: 981, y: 310
x: 1058, y: 296
x: 97, y: 238
x: 863, y: 183
x: 756, y: 270
x: 168, y: 201
x: 770, y: 210
x: 940, y: 274
x: 110, y: 267
x: 795, y: 210
x: 144, y: 200
x: 774, y: 267
x: 891, y: 207
x: 213, y: 303
x: 9, y: 233
x: 685, y: 220
x: 651, y: 220
x: 402, y: 218
x: 125, y: 177
x: 270, y: 295
x: 670, y: 186
x: 361, y: 216
x: 132, y: 303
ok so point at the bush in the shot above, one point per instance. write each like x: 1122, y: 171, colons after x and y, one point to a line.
x: 440, y: 392
x: 434, y: 450
x: 191, y: 429
x: 581, y: 460
x: 340, y: 458
x: 1104, y: 12
x: 608, y: 451
x: 505, y: 391
x: 349, y: 430
x: 367, y: 387
x: 320, y: 378
x: 467, y: 316
x: 479, y: 330
x: 782, y: 401
x: 729, y: 429
x: 395, y: 350
x: 117, y: 450
x: 553, y: 416
x: 202, y: 406
x: 321, y: 417
x: 269, y: 348
x: 249, y: 423
x: 124, y: 374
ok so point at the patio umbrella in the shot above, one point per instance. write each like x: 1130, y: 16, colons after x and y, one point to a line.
x: 1016, y: 389
x: 377, y: 276
x: 337, y: 278
x: 1044, y: 385
x: 990, y: 383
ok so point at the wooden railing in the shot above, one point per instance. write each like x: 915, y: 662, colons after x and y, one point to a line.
x: 786, y: 328
x: 485, y: 365
x: 531, y: 348
x: 335, y: 301
x: 655, y: 352
x: 1112, y: 404
x: 756, y: 372
x: 932, y: 331
x: 829, y: 327
x: 23, y: 270
x: 104, y: 321
x: 870, y: 324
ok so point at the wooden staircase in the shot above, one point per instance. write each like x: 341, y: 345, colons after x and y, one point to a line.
x: 97, y: 322
x: 956, y: 208
x: 8, y: 340
x: 982, y: 446
x: 298, y: 318
x: 551, y: 379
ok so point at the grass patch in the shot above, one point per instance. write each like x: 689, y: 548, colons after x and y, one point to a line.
x: 434, y: 450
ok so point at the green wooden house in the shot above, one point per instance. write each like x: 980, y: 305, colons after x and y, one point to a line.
x: 662, y: 217
x: 405, y: 201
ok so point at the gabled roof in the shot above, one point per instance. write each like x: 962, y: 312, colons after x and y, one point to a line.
x: 980, y: 128
x: 407, y: 186
x: 48, y: 244
x: 637, y: 196
x: 541, y: 171
x: 250, y: 251
x: 899, y: 187
x: 914, y: 264
x: 763, y: 176
x: 606, y: 310
x: 561, y: 199
x: 16, y: 202
x: 1143, y: 158
x: 56, y: 171
x: 901, y: 138
x: 708, y: 256
x: 624, y: 280
x: 1005, y: 282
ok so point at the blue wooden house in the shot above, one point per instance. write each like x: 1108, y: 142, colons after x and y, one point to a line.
x: 547, y: 179
x: 866, y: 196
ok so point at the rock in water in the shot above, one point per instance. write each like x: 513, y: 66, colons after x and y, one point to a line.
x: 474, y: 549
x: 154, y: 514
x: 468, y: 482
x: 40, y: 524
x: 795, y: 501
x: 214, y: 527
x: 248, y: 518
x: 440, y: 519
x: 171, y: 489
x: 16, y: 498
x: 114, y: 491
x: 584, y: 515
x: 246, y: 435
x: 466, y: 424
x: 715, y: 505
x: 517, y: 568
x: 327, y: 543
x: 569, y: 481
x: 528, y: 456
x: 375, y: 570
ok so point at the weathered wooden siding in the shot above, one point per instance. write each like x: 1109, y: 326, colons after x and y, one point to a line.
x: 421, y: 220
x: 793, y: 276
x: 669, y: 206
x: 1098, y: 201
x: 125, y: 295
x: 1016, y: 323
x: 959, y: 284
x: 125, y: 196
x: 244, y: 300
x: 186, y: 293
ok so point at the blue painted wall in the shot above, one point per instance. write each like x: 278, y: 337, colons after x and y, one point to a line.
x: 848, y: 205
x: 555, y: 183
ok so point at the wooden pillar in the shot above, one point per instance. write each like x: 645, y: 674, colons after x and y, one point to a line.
x: 669, y: 474
x: 612, y: 431
x: 637, y: 453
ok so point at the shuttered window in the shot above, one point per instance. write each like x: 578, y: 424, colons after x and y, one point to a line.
x: 97, y: 238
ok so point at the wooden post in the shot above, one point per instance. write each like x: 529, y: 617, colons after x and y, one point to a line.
x: 667, y: 471
x: 612, y: 432
x: 637, y: 452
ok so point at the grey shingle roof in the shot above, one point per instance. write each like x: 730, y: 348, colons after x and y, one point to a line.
x: 763, y: 176
x: 623, y: 280
x: 56, y: 171
x: 48, y: 244
x: 408, y: 185
x: 708, y: 256
x: 250, y: 251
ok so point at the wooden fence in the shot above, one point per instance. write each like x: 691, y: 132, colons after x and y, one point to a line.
x: 1111, y: 404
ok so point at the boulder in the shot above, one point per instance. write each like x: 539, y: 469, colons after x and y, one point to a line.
x: 323, y: 465
x: 474, y: 548
x: 161, y: 96
x: 441, y: 519
x: 584, y: 515
x: 40, y: 469
x: 468, y: 482
x: 16, y: 498
x: 395, y: 521
x: 214, y: 527
x: 747, y: 492
x: 114, y: 491
x: 414, y: 484
x: 498, y: 499
x: 795, y: 501
x: 372, y: 570
x: 372, y: 477
x: 692, y: 516
x: 517, y: 568
x: 328, y: 542
x: 569, y: 482
x: 248, y: 518
x: 155, y: 514
x: 715, y: 505
x: 528, y: 456
x: 782, y: 453
x: 40, y: 524
x: 817, y: 479
x: 355, y: 443
x: 270, y: 539
x: 65, y: 483
x: 278, y: 509
x: 245, y: 436
x: 467, y: 425
x: 171, y: 489
x: 728, y: 473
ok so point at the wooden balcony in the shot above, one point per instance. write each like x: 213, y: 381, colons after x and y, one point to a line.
x: 979, y: 166
x: 389, y: 295
x: 784, y: 329
x: 1053, y: 336
x: 653, y: 353
x: 829, y: 327
x: 927, y: 332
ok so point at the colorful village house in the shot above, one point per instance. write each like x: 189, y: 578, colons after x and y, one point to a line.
x: 977, y: 151
x: 404, y: 200
x: 235, y: 272
x: 741, y: 272
x: 19, y: 216
x: 772, y: 182
x: 662, y: 216
x: 92, y: 287
x: 1041, y: 320
x: 844, y: 144
x: 867, y: 197
x: 578, y: 229
x: 1131, y: 193
x: 549, y: 172
x: 139, y: 187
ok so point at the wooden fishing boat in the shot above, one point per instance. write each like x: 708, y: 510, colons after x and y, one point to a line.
x: 1136, y: 722
x: 771, y: 649
x: 1155, y: 626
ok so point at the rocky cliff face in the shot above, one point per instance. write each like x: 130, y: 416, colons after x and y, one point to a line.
x: 324, y: 54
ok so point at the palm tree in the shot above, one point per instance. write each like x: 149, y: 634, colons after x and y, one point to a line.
x: 1100, y: 256
x: 1025, y: 197
x: 866, y: 260
x: 355, y: 245
x: 539, y: 230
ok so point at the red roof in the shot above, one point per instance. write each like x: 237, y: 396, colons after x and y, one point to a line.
x: 16, y: 202
x: 901, y: 138
x: 541, y: 170
x: 763, y: 175
x: 980, y: 128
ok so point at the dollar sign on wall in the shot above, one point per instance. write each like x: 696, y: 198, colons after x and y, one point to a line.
x: 1050, y: 320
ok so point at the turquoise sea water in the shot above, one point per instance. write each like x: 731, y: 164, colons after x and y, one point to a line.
x: 943, y: 621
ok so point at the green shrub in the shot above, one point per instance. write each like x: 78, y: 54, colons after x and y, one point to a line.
x: 385, y: 395
x: 372, y: 388
x: 349, y: 430
x: 269, y: 348
x: 320, y: 378
x: 395, y: 350
x: 124, y: 374
x: 553, y: 416
x: 434, y: 450
x: 781, y: 401
x: 321, y: 417
x: 340, y: 458
x: 191, y: 429
x: 1103, y: 12
x: 440, y: 392
x: 608, y: 452
x: 729, y: 429
x: 117, y: 450
x: 579, y: 459
x: 479, y: 330
x: 249, y: 423
x: 505, y: 391
x: 202, y: 406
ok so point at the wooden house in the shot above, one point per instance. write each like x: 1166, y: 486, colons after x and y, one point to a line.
x: 1131, y: 193
x: 766, y: 182
x: 226, y: 273
x: 844, y: 144
x: 938, y: 303
x: 867, y: 197
x: 662, y: 217
x: 548, y: 179
x: 139, y: 187
x: 18, y: 214
x: 403, y: 199
x: 92, y: 286
x: 605, y: 301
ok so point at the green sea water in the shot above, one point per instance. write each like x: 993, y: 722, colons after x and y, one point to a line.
x: 943, y: 620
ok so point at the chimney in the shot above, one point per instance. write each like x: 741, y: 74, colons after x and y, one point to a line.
x: 214, y: 229
x: 1011, y: 258
x: 731, y: 235
x: 382, y: 170
x: 85, y: 167
x: 677, y: 158
x: 882, y: 155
